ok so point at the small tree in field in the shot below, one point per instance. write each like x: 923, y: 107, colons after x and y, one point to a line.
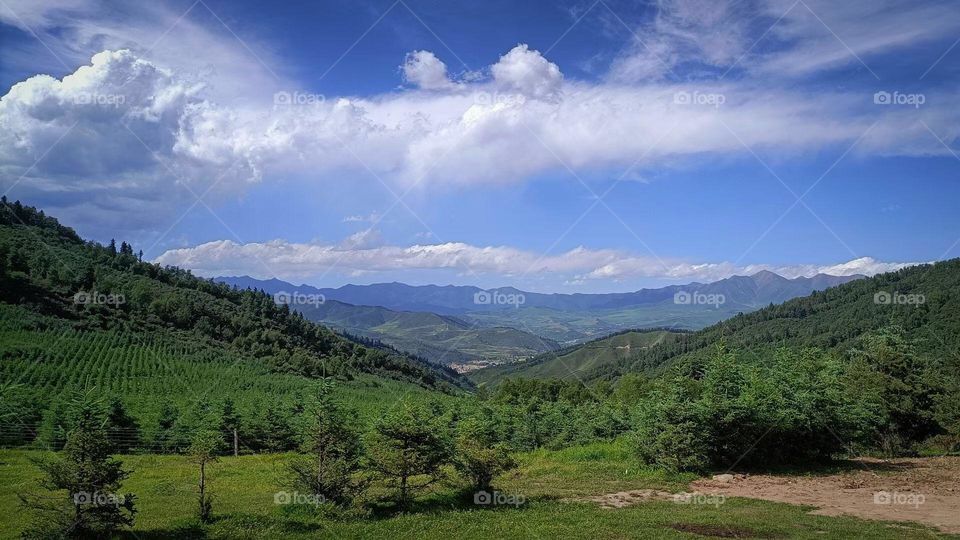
x: 89, y: 476
x: 479, y: 455
x: 408, y: 447
x: 204, y: 448
x: 332, y: 447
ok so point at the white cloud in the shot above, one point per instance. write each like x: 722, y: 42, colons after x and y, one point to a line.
x: 426, y: 71
x: 777, y: 37
x: 288, y: 260
x: 527, y: 72
x: 523, y: 122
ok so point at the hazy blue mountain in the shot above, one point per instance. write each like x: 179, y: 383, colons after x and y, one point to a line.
x: 570, y: 318
x: 439, y: 338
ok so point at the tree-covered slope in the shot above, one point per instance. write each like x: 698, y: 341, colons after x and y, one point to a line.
x: 76, y: 315
x: 574, y: 362
x: 444, y: 339
x: 923, y: 300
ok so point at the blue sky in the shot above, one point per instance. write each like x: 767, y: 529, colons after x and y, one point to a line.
x: 571, y: 146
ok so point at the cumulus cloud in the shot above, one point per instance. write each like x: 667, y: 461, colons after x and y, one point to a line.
x: 527, y: 72
x: 356, y: 255
x: 131, y: 133
x: 426, y: 71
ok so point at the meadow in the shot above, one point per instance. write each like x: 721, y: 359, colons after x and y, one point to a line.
x: 549, y: 482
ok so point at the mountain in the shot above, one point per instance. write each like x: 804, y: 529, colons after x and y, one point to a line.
x: 572, y: 318
x: 78, y: 316
x: 921, y: 301
x: 443, y: 339
x: 573, y: 362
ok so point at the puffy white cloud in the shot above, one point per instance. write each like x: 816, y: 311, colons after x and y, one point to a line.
x: 425, y: 70
x: 356, y: 255
x: 527, y: 72
x: 133, y: 133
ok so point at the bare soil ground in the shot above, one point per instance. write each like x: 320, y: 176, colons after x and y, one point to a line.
x: 922, y: 490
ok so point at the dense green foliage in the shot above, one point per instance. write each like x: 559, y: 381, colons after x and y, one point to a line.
x: 92, y: 506
x: 167, y: 346
x: 835, y: 319
x: 332, y: 450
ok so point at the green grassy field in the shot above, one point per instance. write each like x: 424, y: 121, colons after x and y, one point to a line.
x: 244, y: 507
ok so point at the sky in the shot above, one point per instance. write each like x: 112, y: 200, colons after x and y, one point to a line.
x: 572, y: 146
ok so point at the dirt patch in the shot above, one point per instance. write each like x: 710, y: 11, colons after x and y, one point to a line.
x: 718, y: 531
x: 622, y: 499
x: 923, y: 490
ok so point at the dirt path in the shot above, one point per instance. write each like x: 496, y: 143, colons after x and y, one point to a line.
x: 924, y: 490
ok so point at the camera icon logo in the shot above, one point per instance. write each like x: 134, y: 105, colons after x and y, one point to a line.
x: 882, y: 497
x: 881, y: 98
x: 682, y: 298
x: 82, y: 497
x: 882, y: 298
x: 281, y: 497
x: 482, y: 497
x: 482, y: 298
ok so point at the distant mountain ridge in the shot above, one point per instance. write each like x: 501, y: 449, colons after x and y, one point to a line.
x: 440, y: 338
x: 754, y: 291
x: 569, y: 318
x: 833, y: 319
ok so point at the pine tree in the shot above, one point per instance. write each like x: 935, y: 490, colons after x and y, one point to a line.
x: 123, y: 431
x: 91, y: 478
x: 408, y: 447
x: 333, y: 449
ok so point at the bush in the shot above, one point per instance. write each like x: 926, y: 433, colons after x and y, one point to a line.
x: 480, y: 456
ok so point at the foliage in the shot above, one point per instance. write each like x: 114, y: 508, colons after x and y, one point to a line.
x: 204, y: 447
x: 795, y: 409
x: 408, y: 447
x: 333, y: 450
x: 91, y: 478
x: 480, y: 455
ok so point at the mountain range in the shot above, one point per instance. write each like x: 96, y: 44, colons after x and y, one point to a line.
x: 470, y: 327
x: 918, y: 301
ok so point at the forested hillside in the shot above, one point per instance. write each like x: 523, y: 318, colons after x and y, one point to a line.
x: 76, y: 315
x: 573, y: 362
x: 443, y: 339
x: 923, y: 301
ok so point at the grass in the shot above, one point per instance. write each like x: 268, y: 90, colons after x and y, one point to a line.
x: 549, y: 482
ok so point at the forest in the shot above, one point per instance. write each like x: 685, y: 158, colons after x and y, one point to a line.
x: 106, y: 357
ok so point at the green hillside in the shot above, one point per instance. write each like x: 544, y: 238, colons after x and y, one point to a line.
x: 438, y: 338
x: 574, y: 362
x: 76, y: 316
x: 834, y: 319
